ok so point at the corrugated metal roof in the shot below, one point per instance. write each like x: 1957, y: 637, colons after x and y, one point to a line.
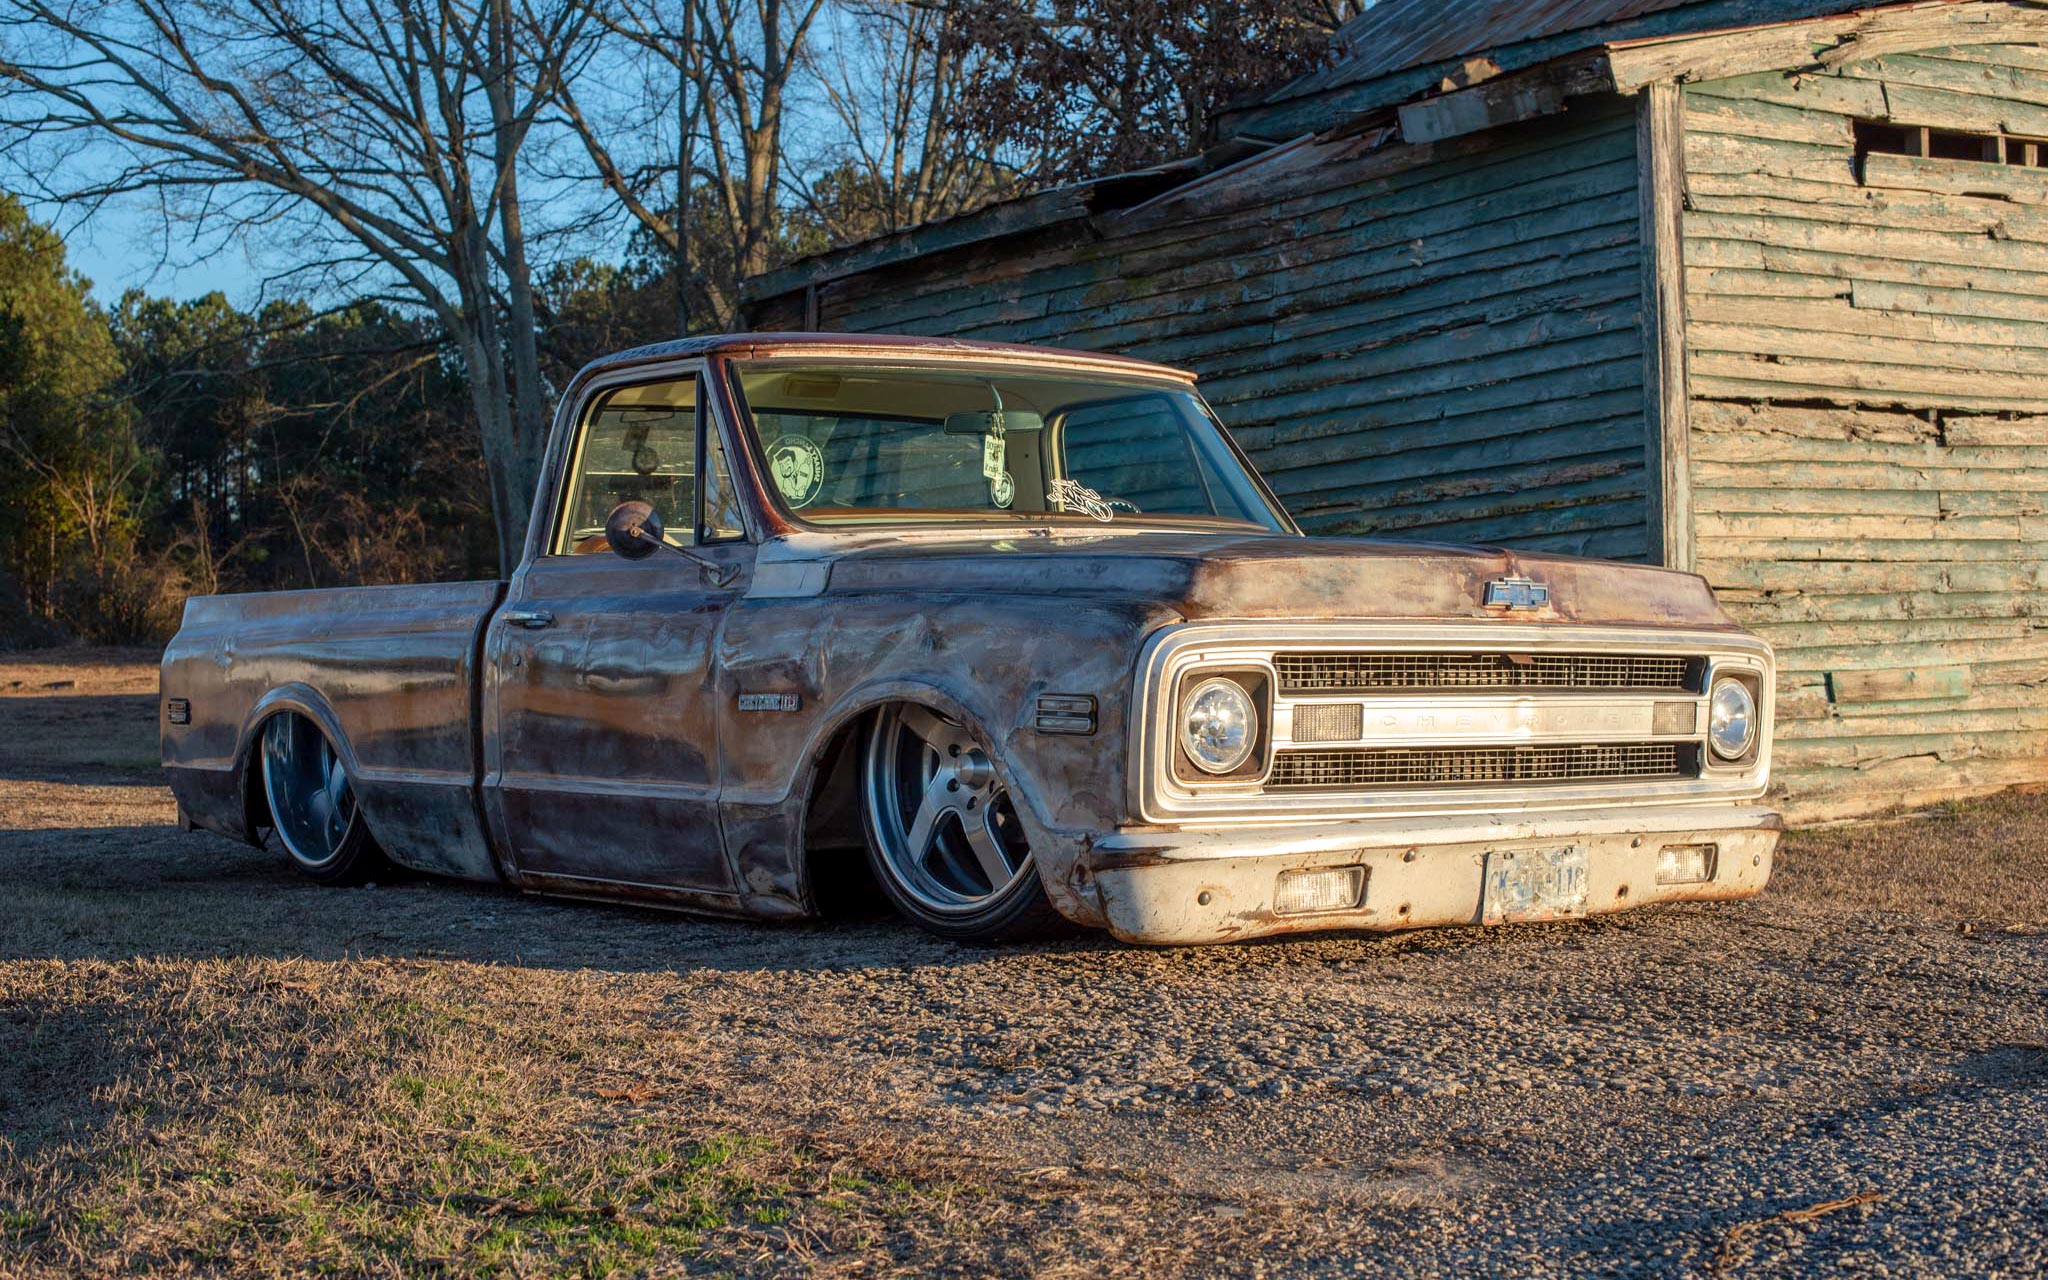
x: 1398, y: 44
x: 1395, y: 35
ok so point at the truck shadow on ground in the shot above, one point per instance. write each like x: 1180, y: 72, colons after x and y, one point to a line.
x: 122, y: 893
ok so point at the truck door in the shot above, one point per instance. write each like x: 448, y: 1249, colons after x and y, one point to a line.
x: 600, y: 712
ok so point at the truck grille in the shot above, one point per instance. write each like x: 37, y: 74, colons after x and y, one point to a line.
x: 1302, y: 673
x: 1460, y: 766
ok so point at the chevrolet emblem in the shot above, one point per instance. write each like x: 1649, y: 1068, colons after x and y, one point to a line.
x: 1516, y: 593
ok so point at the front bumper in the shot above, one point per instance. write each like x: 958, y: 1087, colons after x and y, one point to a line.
x: 1173, y: 887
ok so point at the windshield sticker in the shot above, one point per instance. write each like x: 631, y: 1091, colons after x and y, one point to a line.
x: 1002, y: 490
x: 1075, y: 496
x: 798, y: 465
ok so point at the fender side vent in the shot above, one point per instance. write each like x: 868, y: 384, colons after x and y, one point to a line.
x: 1066, y: 713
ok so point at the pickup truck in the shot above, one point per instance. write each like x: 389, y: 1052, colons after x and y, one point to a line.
x: 1019, y: 634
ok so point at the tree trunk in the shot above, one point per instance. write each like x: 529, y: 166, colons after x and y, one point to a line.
x: 512, y: 478
x: 529, y: 402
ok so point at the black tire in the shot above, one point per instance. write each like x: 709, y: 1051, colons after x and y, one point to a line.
x: 927, y: 782
x: 311, y: 803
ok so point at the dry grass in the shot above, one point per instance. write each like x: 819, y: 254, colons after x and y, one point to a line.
x: 287, y: 1117
x: 1984, y: 861
x: 209, y: 1067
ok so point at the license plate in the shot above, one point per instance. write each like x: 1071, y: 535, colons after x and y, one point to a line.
x: 1524, y: 886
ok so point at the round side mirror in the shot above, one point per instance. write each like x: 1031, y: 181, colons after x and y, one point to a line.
x: 634, y: 529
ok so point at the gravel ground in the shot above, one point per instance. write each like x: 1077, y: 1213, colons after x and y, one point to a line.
x: 1841, y: 1078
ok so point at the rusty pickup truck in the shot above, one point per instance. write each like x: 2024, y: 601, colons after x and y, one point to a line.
x: 1018, y: 633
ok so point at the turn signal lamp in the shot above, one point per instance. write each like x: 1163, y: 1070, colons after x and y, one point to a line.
x: 1319, y: 889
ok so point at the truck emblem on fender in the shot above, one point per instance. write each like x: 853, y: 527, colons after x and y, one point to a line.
x: 1516, y: 593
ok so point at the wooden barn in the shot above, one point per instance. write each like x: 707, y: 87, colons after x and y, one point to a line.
x: 1757, y: 288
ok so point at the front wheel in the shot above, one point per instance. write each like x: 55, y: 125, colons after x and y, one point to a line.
x: 943, y: 835
x: 312, y: 805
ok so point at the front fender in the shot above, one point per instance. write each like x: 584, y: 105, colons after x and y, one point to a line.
x: 824, y: 661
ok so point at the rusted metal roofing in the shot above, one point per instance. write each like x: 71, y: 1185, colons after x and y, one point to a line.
x: 1395, y: 35
x: 1399, y: 45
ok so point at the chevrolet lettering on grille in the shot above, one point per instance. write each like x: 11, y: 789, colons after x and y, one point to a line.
x: 1631, y: 719
x: 1515, y: 594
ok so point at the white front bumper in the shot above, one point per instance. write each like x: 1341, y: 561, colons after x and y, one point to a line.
x: 1180, y: 887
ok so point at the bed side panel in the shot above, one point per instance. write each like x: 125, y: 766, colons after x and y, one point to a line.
x: 389, y: 670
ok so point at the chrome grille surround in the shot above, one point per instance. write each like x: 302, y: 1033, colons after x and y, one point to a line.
x: 1561, y: 737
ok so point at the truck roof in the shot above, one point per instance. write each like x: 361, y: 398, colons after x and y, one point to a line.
x: 768, y: 345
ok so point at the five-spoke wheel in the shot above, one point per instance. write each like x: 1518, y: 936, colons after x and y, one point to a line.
x: 312, y: 804
x: 943, y: 835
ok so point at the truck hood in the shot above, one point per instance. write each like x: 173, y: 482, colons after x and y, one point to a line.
x: 1212, y: 576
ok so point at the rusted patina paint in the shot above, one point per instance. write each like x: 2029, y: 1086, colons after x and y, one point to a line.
x: 668, y: 739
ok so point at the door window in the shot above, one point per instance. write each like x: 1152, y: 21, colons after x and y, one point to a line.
x: 636, y: 442
x: 721, y: 522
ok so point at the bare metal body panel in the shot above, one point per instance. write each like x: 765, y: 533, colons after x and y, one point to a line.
x: 664, y: 738
x: 389, y: 672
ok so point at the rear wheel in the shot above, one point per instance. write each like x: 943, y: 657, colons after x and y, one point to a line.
x: 312, y: 804
x: 943, y: 835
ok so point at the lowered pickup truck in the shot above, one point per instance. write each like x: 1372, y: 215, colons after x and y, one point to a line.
x: 1021, y: 632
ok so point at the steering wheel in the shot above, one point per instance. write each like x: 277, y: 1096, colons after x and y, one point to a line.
x: 1132, y: 507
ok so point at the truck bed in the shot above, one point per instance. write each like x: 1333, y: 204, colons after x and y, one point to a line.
x: 390, y: 672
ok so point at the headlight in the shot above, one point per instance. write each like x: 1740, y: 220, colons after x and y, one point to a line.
x: 1218, y: 726
x: 1731, y: 720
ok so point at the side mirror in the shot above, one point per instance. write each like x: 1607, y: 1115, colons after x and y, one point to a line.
x: 634, y: 529
x: 635, y: 532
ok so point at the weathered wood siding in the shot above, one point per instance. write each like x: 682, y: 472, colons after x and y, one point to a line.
x: 1430, y: 342
x: 1869, y: 363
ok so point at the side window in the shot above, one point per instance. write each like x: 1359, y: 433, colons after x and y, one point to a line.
x: 636, y: 442
x: 721, y: 522
x: 1136, y: 449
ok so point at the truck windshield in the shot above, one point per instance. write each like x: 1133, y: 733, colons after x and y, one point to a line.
x: 854, y: 444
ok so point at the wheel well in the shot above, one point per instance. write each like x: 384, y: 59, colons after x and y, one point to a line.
x: 255, y: 805
x: 834, y: 843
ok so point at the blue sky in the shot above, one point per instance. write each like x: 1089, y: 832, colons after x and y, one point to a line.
x: 126, y: 243
x: 123, y: 246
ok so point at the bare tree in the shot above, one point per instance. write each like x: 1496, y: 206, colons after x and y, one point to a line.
x: 1092, y: 87
x: 734, y: 61
x: 384, y: 136
x: 892, y: 76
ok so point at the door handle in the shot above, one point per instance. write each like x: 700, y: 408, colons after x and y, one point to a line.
x: 531, y: 619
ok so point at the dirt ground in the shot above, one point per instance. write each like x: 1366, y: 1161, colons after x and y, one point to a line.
x: 210, y: 1066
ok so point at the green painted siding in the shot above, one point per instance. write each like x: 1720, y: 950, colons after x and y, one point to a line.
x: 1436, y: 343
x: 1869, y: 357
